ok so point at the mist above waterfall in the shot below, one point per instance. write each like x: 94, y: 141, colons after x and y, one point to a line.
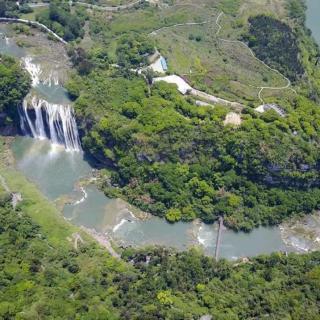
x: 33, y: 69
x: 38, y: 75
x: 44, y: 120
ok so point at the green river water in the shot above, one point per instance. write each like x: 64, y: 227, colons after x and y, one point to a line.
x: 57, y: 173
x: 313, y: 18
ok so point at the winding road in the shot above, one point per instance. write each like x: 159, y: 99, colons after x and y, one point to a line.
x: 216, y: 99
x: 93, y: 6
x: 287, y: 86
x: 103, y: 8
x: 193, y: 91
x: 132, y: 4
x: 34, y: 24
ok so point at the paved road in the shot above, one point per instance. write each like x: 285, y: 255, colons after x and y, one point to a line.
x: 287, y: 86
x: 94, y: 6
x: 35, y: 24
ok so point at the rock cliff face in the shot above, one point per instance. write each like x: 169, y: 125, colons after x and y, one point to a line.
x: 7, y: 127
x: 303, y: 176
x: 44, y: 120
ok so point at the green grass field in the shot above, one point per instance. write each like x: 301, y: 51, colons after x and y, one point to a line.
x: 34, y: 203
x: 195, y: 51
x: 32, y: 15
x: 38, y: 207
x: 218, y: 67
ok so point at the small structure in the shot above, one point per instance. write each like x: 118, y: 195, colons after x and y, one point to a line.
x: 265, y: 107
x: 233, y: 119
x: 164, y: 63
x: 160, y: 65
x: 182, y: 85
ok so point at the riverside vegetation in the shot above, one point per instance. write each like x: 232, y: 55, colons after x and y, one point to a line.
x: 177, y: 160
x: 39, y: 261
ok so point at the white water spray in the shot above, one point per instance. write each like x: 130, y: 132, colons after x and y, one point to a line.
x: 52, y: 80
x: 84, y: 197
x: 33, y: 69
x: 37, y: 74
x: 117, y: 226
x: 44, y: 120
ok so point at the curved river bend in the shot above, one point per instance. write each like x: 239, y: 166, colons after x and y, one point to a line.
x: 58, y: 174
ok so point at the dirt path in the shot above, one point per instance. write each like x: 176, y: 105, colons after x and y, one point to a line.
x: 88, y: 5
x: 287, y: 86
x: 103, y: 8
x: 214, y: 98
x: 185, y: 88
x: 154, y: 32
x: 34, y: 24
x: 77, y: 238
x: 102, y: 240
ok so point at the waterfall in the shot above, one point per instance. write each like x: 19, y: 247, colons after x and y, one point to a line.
x: 36, y: 72
x: 33, y: 69
x: 53, y: 79
x: 44, y: 120
x: 26, y: 122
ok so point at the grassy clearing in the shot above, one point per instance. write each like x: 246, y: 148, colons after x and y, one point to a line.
x: 110, y: 3
x: 32, y: 15
x: 220, y: 68
x: 40, y: 209
x: 148, y: 19
x: 108, y: 28
x: 227, y: 69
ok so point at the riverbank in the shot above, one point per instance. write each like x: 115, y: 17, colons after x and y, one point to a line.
x: 43, y: 211
x: 36, y: 50
x: 35, y: 204
x: 60, y: 173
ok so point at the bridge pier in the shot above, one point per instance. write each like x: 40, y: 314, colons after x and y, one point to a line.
x: 218, y: 242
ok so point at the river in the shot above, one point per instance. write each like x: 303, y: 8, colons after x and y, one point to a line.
x: 58, y: 174
x: 313, y: 18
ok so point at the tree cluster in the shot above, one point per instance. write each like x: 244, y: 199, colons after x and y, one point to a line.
x: 42, y: 280
x: 62, y: 21
x: 275, y: 43
x: 175, y: 159
x: 14, y: 85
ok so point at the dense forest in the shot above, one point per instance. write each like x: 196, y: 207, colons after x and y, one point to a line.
x: 14, y: 85
x: 133, y: 50
x: 175, y: 159
x: 276, y: 44
x: 62, y: 21
x: 10, y: 9
x: 42, y: 280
